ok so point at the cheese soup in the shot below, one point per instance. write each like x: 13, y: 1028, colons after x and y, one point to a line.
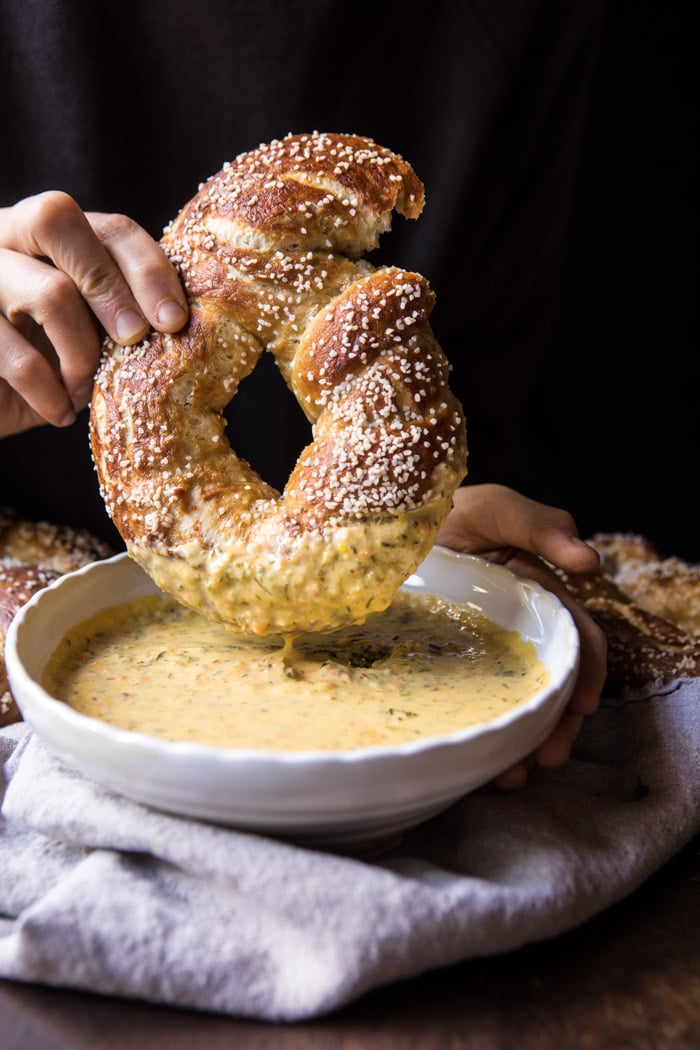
x: 424, y: 667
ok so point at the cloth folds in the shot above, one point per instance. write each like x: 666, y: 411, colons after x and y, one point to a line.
x: 100, y: 893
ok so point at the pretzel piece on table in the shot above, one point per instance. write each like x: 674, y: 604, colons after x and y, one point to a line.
x: 647, y: 606
x: 32, y: 555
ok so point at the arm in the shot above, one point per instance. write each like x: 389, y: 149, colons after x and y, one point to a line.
x: 504, y: 526
x: 65, y: 278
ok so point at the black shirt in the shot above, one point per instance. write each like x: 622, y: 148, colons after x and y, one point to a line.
x: 128, y: 106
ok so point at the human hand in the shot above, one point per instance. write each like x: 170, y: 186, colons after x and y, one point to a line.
x: 66, y: 278
x: 501, y: 525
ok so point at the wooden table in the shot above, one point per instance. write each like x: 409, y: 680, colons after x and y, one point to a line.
x: 629, y: 979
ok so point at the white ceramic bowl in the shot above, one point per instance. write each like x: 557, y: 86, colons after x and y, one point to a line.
x: 336, y: 799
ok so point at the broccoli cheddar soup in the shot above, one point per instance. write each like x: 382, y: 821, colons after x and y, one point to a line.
x: 424, y: 667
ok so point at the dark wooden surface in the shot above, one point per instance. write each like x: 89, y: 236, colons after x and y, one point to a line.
x: 629, y: 979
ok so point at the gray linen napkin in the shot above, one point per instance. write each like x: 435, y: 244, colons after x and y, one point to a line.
x: 101, y: 893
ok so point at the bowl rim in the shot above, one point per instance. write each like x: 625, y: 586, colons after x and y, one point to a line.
x: 23, y: 683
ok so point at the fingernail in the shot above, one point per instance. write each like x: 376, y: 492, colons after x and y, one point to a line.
x: 130, y: 326
x: 170, y: 314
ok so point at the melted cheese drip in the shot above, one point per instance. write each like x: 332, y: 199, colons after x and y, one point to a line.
x: 424, y: 667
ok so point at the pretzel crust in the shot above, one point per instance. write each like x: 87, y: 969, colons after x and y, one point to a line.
x: 647, y: 606
x: 18, y: 582
x: 32, y: 555
x: 270, y: 254
x: 44, y: 543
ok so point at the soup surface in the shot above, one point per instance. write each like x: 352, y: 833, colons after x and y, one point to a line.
x: 424, y: 667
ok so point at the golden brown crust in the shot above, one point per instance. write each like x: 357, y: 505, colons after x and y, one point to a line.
x: 32, y: 555
x: 18, y: 582
x: 270, y: 253
x: 648, y: 608
x: 620, y: 549
x: 60, y: 547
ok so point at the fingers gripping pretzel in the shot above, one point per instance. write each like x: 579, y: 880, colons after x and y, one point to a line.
x: 270, y: 253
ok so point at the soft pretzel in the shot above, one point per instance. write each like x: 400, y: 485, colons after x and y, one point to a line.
x: 667, y: 587
x: 269, y: 252
x: 18, y: 582
x: 621, y: 550
x: 32, y: 555
x: 647, y: 606
x: 60, y: 547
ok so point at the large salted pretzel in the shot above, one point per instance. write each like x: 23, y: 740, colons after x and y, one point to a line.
x: 270, y: 254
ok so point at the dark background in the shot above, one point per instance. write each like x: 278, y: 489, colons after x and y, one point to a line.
x: 608, y: 424
x: 611, y: 430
